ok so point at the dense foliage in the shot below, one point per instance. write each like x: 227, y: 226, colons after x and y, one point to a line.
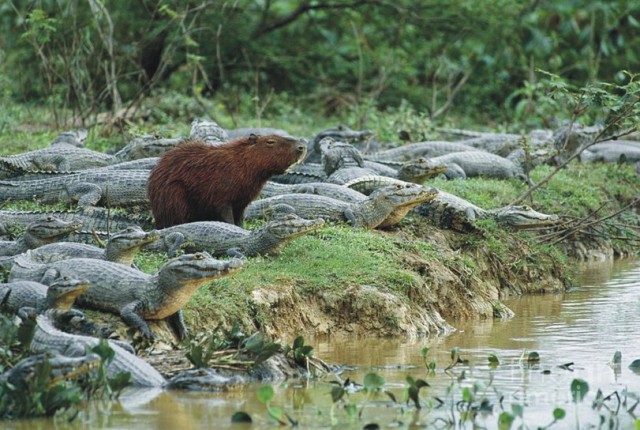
x: 478, y: 59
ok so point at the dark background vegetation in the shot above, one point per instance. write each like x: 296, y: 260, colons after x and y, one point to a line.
x: 462, y: 58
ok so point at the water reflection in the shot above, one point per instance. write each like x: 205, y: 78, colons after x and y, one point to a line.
x: 584, y: 326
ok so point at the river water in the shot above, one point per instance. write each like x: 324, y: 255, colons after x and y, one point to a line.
x: 584, y: 326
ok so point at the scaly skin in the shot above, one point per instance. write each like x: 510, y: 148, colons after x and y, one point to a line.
x: 61, y: 368
x: 362, y: 138
x: 383, y: 208
x: 121, y: 248
x: 618, y: 151
x: 95, y: 221
x: 123, y: 188
x: 334, y: 191
x: 61, y: 158
x: 40, y: 232
x: 60, y: 295
x: 344, y: 163
x: 208, y: 131
x: 135, y: 295
x: 301, y: 174
x: 478, y: 163
x: 48, y: 338
x: 450, y: 211
x: 412, y: 151
x: 218, y: 238
x: 146, y: 146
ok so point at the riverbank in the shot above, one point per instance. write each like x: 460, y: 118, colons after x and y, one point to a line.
x: 417, y: 279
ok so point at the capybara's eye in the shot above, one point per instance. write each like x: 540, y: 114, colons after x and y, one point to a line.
x: 271, y: 142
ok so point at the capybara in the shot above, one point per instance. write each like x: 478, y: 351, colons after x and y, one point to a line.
x: 200, y: 182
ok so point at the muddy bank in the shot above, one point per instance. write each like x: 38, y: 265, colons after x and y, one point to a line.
x: 461, y: 277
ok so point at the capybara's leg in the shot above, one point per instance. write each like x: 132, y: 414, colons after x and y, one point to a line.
x: 226, y: 214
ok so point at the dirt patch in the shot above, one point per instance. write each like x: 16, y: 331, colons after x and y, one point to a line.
x: 458, y: 282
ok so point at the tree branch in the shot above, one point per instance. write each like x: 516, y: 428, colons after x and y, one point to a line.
x: 305, y: 7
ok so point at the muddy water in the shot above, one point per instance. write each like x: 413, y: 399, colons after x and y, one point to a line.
x: 584, y: 326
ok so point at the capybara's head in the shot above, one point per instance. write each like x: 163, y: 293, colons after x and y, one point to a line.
x: 273, y: 154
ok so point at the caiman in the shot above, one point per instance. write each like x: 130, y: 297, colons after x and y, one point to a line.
x: 384, y: 207
x: 467, y: 164
x: 106, y: 187
x: 146, y: 146
x: 342, y: 163
x: 334, y: 191
x: 48, y: 338
x: 412, y: 151
x: 207, y: 131
x: 121, y: 248
x: 219, y: 238
x: 363, y: 139
x: 93, y: 219
x: 46, y: 230
x: 55, y: 368
x: 134, y: 295
x: 60, y: 295
x: 447, y: 210
x: 60, y: 158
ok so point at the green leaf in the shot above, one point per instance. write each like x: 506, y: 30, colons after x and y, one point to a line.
x: 467, y: 395
x: 276, y: 414
x: 337, y: 393
x: 255, y: 343
x: 267, y: 352
x: 517, y: 409
x: 265, y: 394
x: 120, y: 381
x: 579, y: 389
x: 351, y: 409
x: 373, y: 381
x: 241, y: 417
x: 420, y: 383
x: 105, y: 351
x: 424, y: 351
x: 493, y: 360
x: 505, y: 419
x: 559, y: 413
x: 298, y: 342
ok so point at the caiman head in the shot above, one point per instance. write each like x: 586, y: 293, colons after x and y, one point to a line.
x: 523, y: 217
x: 63, y: 292
x: 336, y: 155
x: 420, y: 169
x: 290, y: 225
x: 343, y: 133
x: 402, y: 198
x: 407, y: 194
x: 124, y: 244
x: 181, y: 276
x: 50, y: 229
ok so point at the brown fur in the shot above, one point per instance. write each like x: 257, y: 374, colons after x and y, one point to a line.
x: 200, y: 182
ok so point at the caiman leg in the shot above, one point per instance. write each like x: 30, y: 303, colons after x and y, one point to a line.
x: 130, y: 316
x: 177, y: 324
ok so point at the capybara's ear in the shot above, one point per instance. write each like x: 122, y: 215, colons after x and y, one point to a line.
x: 253, y: 138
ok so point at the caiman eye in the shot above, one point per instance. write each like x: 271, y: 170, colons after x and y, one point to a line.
x: 199, y: 257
